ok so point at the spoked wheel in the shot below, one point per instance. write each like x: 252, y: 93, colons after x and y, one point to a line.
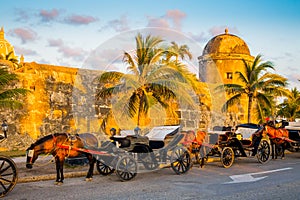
x: 126, y: 168
x: 227, y: 157
x: 8, y: 175
x: 180, y: 160
x: 149, y: 161
x: 263, y: 151
x: 104, y: 169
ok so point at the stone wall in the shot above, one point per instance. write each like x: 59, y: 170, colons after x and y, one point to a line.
x: 62, y: 99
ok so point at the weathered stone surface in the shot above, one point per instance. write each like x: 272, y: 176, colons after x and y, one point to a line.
x: 222, y: 57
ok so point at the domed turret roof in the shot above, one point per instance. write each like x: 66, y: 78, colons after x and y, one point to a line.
x: 5, y: 46
x: 226, y: 44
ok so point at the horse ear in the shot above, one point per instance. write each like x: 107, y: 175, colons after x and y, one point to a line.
x: 31, y: 147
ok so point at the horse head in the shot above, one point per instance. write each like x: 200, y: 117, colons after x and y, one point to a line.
x: 43, y: 145
x: 31, y: 155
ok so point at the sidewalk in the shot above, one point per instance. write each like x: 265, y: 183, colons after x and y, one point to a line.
x: 44, y: 169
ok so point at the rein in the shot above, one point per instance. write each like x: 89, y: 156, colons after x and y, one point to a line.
x: 51, y: 160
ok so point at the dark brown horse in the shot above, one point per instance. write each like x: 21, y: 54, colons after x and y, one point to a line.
x: 61, y: 146
x: 279, y: 138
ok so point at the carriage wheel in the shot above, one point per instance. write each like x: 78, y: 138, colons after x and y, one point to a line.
x: 180, y: 160
x: 8, y: 175
x: 104, y: 169
x: 263, y: 151
x: 149, y: 161
x: 126, y: 168
x: 227, y: 157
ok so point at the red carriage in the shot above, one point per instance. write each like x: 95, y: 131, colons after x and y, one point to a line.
x: 227, y: 144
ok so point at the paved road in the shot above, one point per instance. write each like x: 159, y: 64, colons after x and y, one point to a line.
x: 278, y: 179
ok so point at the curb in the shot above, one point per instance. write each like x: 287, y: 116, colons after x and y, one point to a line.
x: 50, y: 177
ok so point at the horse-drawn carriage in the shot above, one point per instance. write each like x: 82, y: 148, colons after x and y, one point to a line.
x: 124, y: 155
x: 8, y: 174
x: 293, y: 129
x: 228, y: 144
x: 146, y: 153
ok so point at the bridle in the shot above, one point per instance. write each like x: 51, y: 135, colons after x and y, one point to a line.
x: 30, y: 153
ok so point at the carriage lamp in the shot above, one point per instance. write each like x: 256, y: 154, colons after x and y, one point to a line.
x: 5, y: 129
x: 137, y: 131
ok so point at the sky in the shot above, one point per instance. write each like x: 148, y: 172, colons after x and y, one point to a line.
x: 79, y: 33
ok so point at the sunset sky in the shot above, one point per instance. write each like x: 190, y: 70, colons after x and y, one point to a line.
x: 66, y: 32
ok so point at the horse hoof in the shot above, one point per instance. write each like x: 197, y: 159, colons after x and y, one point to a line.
x: 58, y: 183
x: 88, y: 179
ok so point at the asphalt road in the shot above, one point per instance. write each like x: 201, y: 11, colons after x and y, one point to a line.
x: 246, y: 179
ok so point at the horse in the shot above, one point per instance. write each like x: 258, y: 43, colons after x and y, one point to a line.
x: 193, y: 142
x: 278, y: 138
x: 62, y: 145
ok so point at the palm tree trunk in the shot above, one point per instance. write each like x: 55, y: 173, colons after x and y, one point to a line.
x: 249, y: 107
x: 139, y: 111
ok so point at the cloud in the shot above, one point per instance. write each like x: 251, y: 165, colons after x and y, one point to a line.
x: 172, y: 19
x: 24, y: 51
x: 293, y: 80
x: 55, y: 43
x: 158, y: 22
x: 119, y: 25
x: 22, y: 15
x: 71, y: 52
x: 49, y: 15
x: 105, y: 59
x: 25, y: 34
x: 200, y: 37
x: 176, y: 17
x: 75, y: 53
x: 80, y: 19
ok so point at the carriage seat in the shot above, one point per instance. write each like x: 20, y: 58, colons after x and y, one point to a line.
x: 222, y: 139
x: 173, y: 143
x: 246, y: 142
x: 294, y: 135
x: 106, y: 146
x: 123, y: 142
x: 156, y: 144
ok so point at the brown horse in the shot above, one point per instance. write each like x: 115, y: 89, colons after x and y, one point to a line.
x: 61, y: 146
x: 193, y: 142
x: 279, y: 138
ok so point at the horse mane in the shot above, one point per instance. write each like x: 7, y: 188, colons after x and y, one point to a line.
x: 45, y: 138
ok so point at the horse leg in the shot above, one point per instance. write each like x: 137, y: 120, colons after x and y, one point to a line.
x: 62, y: 171
x: 92, y: 162
x: 59, y: 171
x: 57, y: 165
x: 277, y: 146
x: 272, y: 148
x: 283, y: 149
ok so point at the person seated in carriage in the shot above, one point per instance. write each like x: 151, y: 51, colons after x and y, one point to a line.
x: 113, y: 132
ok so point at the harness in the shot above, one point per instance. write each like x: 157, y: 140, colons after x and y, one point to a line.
x: 56, y: 146
x: 67, y: 147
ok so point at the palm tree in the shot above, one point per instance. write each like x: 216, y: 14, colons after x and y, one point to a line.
x: 149, y: 81
x: 178, y: 51
x: 11, y: 59
x: 257, y: 85
x: 9, y: 96
x: 290, y: 108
